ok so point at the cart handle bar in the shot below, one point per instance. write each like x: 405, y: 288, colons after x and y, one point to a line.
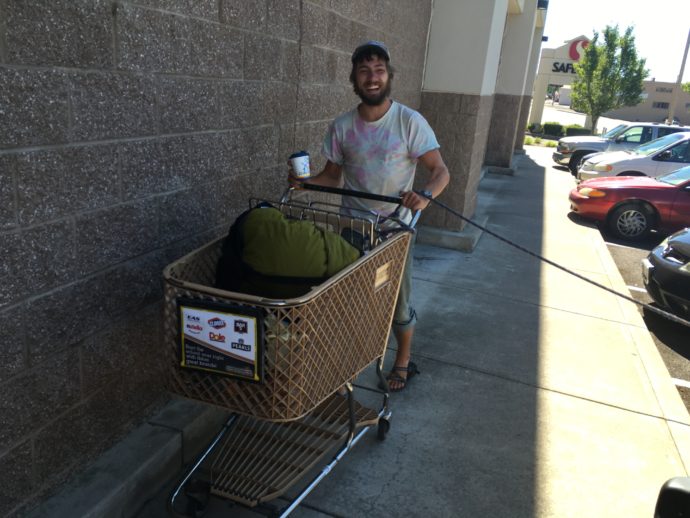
x: 348, y: 192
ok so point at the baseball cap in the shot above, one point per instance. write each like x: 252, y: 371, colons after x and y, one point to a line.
x: 369, y: 46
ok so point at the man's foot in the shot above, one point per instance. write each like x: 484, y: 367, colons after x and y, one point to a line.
x: 400, y: 376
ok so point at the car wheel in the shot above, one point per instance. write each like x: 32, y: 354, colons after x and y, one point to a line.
x: 632, y: 221
x: 576, y: 161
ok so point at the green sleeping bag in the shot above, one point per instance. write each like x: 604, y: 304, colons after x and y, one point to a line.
x: 269, y: 255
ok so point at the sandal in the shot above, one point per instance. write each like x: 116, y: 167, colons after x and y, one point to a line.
x: 411, y: 371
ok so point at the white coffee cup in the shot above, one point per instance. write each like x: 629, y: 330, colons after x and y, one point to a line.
x: 300, y: 164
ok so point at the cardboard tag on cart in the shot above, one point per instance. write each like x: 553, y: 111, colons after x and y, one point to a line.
x: 221, y: 338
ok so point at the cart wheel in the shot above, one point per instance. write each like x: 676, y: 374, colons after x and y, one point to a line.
x: 384, y: 426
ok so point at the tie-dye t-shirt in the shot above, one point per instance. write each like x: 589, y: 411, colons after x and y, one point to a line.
x: 378, y: 157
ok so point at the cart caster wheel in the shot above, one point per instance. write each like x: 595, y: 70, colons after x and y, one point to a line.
x: 384, y: 426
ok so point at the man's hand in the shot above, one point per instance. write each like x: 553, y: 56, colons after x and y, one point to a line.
x: 413, y: 201
x: 293, y: 181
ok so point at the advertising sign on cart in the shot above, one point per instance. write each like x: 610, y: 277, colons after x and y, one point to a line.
x: 221, y: 338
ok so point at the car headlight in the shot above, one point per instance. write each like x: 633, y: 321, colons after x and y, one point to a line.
x: 603, y: 168
x: 587, y: 166
x: 591, y: 192
x: 563, y: 148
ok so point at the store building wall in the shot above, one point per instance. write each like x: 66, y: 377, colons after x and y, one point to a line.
x: 459, y: 83
x: 510, y: 85
x: 131, y: 133
x: 657, y: 97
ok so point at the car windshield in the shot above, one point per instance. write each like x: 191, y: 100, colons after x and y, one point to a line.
x: 660, y: 143
x: 677, y: 177
x: 615, y: 131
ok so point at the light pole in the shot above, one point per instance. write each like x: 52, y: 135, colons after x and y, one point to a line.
x: 674, y: 97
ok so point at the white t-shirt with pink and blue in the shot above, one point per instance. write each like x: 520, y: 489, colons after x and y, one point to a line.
x: 378, y: 157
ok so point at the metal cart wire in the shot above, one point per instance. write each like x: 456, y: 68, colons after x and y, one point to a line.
x: 287, y: 414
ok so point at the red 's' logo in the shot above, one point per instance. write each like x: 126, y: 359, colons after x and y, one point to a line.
x: 576, y: 48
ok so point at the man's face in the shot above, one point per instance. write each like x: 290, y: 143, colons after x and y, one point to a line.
x: 372, y: 84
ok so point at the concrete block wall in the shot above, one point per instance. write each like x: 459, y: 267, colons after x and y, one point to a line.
x: 462, y: 124
x: 132, y: 132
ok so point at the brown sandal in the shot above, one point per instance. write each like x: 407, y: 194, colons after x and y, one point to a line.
x: 411, y: 370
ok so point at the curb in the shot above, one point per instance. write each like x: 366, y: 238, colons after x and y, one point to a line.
x: 122, y: 479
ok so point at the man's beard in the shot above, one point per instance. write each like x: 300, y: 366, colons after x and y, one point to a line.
x: 374, y: 100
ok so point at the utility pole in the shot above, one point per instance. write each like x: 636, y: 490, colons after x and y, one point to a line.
x: 676, y: 89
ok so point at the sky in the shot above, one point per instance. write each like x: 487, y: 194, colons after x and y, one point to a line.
x: 660, y: 28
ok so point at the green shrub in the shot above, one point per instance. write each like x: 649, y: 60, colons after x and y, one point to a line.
x: 551, y: 143
x: 553, y: 128
x: 576, y: 129
x: 535, y: 127
x: 529, y: 141
x: 537, y: 140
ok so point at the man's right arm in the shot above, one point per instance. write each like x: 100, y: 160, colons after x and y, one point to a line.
x: 329, y: 177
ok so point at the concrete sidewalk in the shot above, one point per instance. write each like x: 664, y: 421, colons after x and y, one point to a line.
x: 540, y: 395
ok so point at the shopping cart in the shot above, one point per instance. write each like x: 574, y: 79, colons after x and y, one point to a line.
x: 287, y: 376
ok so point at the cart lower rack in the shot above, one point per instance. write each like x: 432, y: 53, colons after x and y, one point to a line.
x: 293, y: 356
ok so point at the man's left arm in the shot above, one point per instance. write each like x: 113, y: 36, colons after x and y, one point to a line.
x: 436, y: 183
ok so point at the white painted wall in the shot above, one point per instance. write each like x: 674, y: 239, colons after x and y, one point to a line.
x: 464, y: 46
x: 517, y: 44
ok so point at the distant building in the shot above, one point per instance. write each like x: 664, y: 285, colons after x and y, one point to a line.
x: 654, y: 108
x: 556, y: 69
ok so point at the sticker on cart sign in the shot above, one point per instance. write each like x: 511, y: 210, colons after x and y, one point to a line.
x: 215, y: 338
x: 383, y: 275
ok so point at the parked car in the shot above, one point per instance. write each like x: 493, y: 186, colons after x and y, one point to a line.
x: 632, y: 206
x: 571, y: 150
x: 666, y: 273
x: 654, y: 158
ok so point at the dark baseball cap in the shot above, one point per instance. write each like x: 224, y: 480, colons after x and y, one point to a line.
x: 371, y: 46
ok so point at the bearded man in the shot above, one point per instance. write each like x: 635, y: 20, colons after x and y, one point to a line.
x: 375, y: 148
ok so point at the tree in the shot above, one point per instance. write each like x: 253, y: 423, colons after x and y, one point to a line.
x: 610, y: 74
x: 686, y: 87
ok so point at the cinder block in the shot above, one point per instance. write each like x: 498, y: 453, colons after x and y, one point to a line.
x: 34, y: 107
x: 132, y: 286
x: 143, y: 169
x: 184, y: 213
x: 262, y: 59
x: 46, y: 390
x: 279, y: 103
x: 239, y: 101
x: 8, y: 207
x: 60, y: 33
x: 52, y: 184
x: 152, y: 41
x: 243, y: 14
x: 216, y: 50
x: 207, y: 9
x: 314, y: 25
x: 283, y: 19
x: 15, y: 465
x: 130, y: 345
x: 112, y: 106
x: 13, y: 287
x: 340, y: 32
x: 188, y: 105
x: 13, y: 350
x: 112, y: 235
x: 39, y: 258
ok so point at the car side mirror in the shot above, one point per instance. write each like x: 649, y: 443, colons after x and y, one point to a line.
x: 664, y: 155
x: 674, y: 498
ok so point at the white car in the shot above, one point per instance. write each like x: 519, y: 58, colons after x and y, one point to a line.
x: 654, y: 158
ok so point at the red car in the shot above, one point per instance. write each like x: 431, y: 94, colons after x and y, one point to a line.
x: 631, y: 206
